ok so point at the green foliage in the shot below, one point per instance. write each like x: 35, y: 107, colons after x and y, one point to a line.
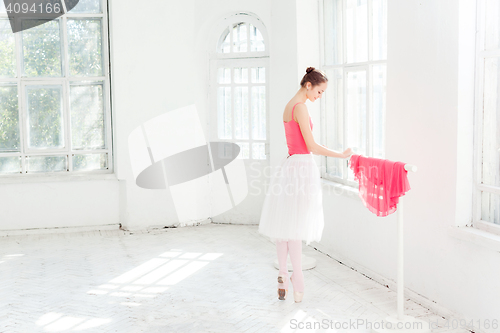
x: 7, y: 58
x: 10, y: 164
x: 87, y: 117
x: 46, y: 163
x: 45, y: 122
x: 45, y: 126
x: 85, y: 47
x: 42, y: 50
x: 90, y: 162
x: 9, y: 119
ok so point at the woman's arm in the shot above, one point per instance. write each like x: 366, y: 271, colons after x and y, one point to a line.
x: 303, y: 119
x: 322, y: 150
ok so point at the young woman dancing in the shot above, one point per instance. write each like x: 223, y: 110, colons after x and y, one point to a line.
x: 293, y: 207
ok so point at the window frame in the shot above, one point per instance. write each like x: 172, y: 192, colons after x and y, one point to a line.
x: 367, y: 66
x: 480, y: 55
x: 66, y: 81
x: 238, y: 59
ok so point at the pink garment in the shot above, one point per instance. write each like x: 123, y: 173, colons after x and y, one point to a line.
x: 381, y: 183
x: 294, y: 138
x: 294, y: 247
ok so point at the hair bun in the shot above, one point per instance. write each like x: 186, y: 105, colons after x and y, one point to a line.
x: 309, y: 69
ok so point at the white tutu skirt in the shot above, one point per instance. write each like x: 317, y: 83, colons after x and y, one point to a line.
x: 293, y: 206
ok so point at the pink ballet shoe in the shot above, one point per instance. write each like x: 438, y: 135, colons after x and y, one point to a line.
x: 282, y: 293
x: 297, y: 296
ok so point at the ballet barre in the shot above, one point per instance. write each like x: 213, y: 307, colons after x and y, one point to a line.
x: 401, y: 317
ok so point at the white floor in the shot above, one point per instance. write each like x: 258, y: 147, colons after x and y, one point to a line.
x: 207, y: 278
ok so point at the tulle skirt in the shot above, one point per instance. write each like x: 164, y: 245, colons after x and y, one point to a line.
x: 293, y: 206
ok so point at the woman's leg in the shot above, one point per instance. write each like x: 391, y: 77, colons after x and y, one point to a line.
x: 282, y: 249
x: 295, y: 249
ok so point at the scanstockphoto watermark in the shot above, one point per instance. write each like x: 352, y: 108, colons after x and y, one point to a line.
x: 354, y: 324
x: 27, y: 14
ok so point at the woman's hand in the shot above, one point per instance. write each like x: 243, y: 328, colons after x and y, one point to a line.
x: 347, y: 153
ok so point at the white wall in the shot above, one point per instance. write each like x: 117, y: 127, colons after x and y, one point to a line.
x: 167, y: 67
x: 160, y: 62
x: 153, y: 72
x: 58, y: 204
x: 429, y: 114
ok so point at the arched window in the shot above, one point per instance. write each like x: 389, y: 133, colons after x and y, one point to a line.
x: 239, y: 82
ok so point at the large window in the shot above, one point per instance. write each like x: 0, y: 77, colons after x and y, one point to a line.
x: 487, y: 124
x: 239, y: 81
x: 54, y: 94
x: 354, y: 53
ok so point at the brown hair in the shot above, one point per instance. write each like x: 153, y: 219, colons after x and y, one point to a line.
x: 313, y: 75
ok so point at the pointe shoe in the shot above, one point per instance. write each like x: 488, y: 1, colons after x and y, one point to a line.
x: 282, y: 293
x: 297, y: 296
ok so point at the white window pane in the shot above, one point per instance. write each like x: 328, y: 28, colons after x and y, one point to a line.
x: 7, y: 50
x: 492, y: 25
x: 256, y: 40
x: 490, y: 207
x: 224, y: 75
x: 45, y: 117
x: 2, y: 8
x: 88, y: 162
x: 379, y: 97
x: 240, y: 37
x: 241, y: 75
x: 224, y: 113
x: 259, y: 113
x: 333, y: 31
x: 10, y: 164
x: 334, y: 97
x: 258, y: 151
x: 42, y: 49
x: 87, y: 117
x: 491, y: 123
x: 379, y: 29
x: 84, y: 6
x: 357, y: 30
x: 85, y: 47
x: 46, y: 163
x: 241, y: 118
x: 258, y: 75
x: 9, y: 119
x: 244, y: 150
x: 356, y: 111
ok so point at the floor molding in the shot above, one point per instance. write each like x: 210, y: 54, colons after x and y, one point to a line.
x: 392, y: 285
x: 57, y: 230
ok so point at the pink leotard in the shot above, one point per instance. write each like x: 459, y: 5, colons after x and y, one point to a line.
x: 294, y: 138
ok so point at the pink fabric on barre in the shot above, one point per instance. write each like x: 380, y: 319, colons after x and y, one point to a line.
x: 294, y: 139
x: 381, y: 183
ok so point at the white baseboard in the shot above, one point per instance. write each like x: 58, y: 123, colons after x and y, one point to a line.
x: 116, y: 226
x: 57, y: 230
x: 414, y: 296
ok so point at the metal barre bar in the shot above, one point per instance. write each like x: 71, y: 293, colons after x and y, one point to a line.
x: 411, y: 167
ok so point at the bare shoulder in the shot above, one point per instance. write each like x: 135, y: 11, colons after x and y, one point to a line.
x: 300, y: 111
